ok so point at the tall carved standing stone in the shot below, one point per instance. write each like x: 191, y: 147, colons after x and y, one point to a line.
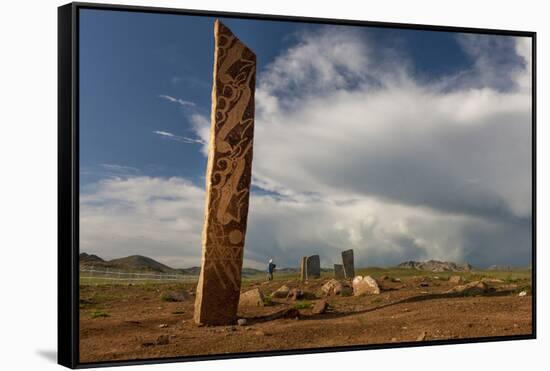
x: 347, y: 259
x: 228, y: 176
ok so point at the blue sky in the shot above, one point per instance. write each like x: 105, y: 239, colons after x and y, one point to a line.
x: 145, y: 85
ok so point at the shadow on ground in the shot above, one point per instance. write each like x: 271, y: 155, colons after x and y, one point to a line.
x: 291, y: 312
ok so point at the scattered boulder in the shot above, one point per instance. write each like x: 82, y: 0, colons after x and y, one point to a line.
x: 365, y: 285
x: 456, y: 279
x: 320, y: 307
x: 252, y: 298
x: 281, y: 292
x: 397, y: 279
x: 472, y: 288
x: 174, y: 296
x: 163, y: 325
x: 332, y: 287
x: 422, y: 336
x: 522, y: 293
x: 242, y: 321
x: 492, y: 280
x: 384, y: 278
x: 284, y: 313
x: 295, y: 294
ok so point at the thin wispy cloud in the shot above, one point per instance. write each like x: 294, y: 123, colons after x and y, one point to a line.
x: 119, y: 168
x: 179, y: 101
x: 177, y: 138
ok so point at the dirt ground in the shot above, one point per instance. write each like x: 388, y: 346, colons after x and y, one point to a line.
x: 128, y: 322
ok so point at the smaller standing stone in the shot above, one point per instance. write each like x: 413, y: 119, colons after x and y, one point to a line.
x: 339, y: 272
x: 313, y: 264
x: 303, y: 268
x: 347, y: 259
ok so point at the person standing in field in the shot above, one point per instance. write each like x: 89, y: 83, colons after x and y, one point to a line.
x: 270, y: 268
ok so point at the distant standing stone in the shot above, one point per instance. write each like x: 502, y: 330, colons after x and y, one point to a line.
x: 303, y: 268
x: 313, y: 264
x: 347, y: 259
x: 339, y: 271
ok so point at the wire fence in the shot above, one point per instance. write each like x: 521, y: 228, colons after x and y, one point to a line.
x: 114, y: 276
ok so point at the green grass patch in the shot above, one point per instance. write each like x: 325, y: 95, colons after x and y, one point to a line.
x: 346, y: 291
x: 527, y: 288
x: 98, y: 314
x: 303, y: 305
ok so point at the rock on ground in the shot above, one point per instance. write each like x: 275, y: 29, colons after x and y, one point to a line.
x: 365, y: 285
x: 281, y: 292
x: 252, y: 298
x: 320, y: 307
x: 456, y: 279
x: 472, y: 288
x: 179, y: 295
x: 332, y: 287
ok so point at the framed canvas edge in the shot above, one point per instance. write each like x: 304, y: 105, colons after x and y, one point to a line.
x: 68, y: 183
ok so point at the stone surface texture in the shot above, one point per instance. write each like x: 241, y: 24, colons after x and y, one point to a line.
x: 339, y: 271
x: 228, y: 177
x: 313, y: 267
x: 349, y: 267
x: 365, y: 285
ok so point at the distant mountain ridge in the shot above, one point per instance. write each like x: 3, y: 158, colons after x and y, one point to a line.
x: 436, y: 266
x: 140, y: 263
x: 133, y: 263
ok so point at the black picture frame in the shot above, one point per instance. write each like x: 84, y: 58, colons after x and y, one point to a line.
x: 68, y: 181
